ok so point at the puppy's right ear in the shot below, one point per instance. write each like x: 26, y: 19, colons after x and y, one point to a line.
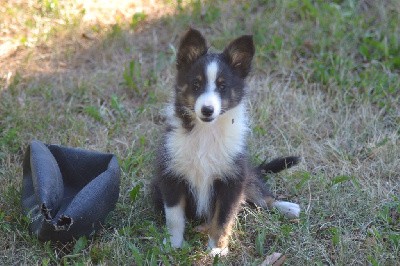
x: 192, y: 46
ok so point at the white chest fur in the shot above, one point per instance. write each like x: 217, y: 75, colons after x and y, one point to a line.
x: 207, y: 152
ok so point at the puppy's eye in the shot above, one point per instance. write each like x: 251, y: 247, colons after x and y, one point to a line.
x: 221, y: 85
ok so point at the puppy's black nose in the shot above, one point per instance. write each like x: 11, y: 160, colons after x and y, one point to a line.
x: 207, y: 111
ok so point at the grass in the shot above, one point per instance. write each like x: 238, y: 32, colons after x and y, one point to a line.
x: 325, y: 85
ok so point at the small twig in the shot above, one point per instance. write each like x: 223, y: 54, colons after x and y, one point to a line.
x: 309, y: 198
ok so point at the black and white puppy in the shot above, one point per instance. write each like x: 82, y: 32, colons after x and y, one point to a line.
x: 203, y: 169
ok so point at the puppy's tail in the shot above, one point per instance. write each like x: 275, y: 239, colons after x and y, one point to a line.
x: 258, y: 193
x: 278, y: 164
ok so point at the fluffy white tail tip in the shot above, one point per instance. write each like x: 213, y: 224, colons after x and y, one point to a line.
x: 289, y: 209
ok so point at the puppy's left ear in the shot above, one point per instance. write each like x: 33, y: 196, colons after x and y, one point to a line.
x: 239, y: 54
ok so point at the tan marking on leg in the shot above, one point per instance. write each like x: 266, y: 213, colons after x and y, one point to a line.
x: 219, y: 234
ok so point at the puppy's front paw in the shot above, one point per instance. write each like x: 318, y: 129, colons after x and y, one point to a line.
x: 215, y: 250
x: 176, y: 242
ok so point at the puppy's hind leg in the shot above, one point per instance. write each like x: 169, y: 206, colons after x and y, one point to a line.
x: 258, y: 193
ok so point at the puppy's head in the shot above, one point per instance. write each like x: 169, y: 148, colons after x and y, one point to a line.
x: 209, y: 84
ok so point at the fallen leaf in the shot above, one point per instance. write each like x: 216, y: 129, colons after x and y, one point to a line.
x: 88, y: 35
x: 275, y: 259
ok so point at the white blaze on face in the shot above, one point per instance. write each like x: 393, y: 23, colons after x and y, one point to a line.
x: 209, y: 98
